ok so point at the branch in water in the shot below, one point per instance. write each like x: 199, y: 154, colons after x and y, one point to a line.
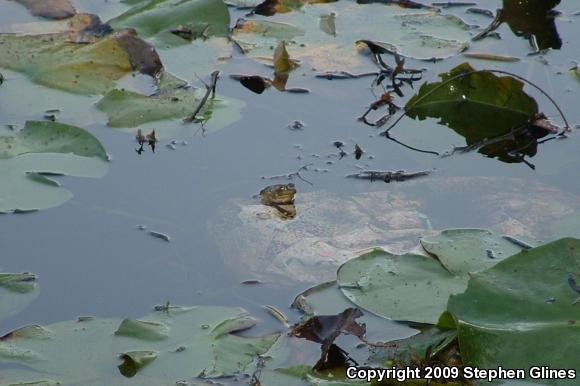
x: 210, y: 90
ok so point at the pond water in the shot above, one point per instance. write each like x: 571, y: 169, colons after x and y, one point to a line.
x: 92, y: 259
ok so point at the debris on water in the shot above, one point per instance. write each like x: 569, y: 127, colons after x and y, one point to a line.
x: 371, y: 156
x: 325, y: 329
x: 522, y: 244
x: 160, y: 235
x: 358, y: 152
x: 319, y: 170
x: 297, y: 125
x: 551, y: 301
x: 388, y: 176
x: 278, y: 315
x: 82, y: 319
x: 496, y: 58
x: 141, y: 227
x: 338, y: 144
x: 481, y: 11
x: 171, y: 146
x: 50, y: 117
x: 314, y: 155
x: 298, y: 146
x: 52, y: 111
x: 450, y: 4
x: 173, y: 142
x: 251, y: 282
x: 490, y: 254
x: 184, y: 143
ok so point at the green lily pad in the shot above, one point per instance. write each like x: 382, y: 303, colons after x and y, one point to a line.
x: 485, y: 248
x: 423, y: 35
x: 497, y: 99
x: 416, y: 287
x: 174, y: 99
x: 522, y: 309
x: 157, y: 18
x: 502, y: 108
x: 400, y: 287
x: 41, y: 149
x: 196, y: 342
x: 84, y: 68
x: 17, y: 290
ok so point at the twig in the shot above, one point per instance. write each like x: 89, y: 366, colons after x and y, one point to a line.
x: 210, y: 90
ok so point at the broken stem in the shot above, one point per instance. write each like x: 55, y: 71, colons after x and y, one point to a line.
x: 210, y: 90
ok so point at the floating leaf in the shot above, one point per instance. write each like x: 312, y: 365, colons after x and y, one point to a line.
x: 53, y: 61
x: 324, y: 329
x: 407, y: 287
x: 415, y: 287
x: 271, y: 7
x: 17, y: 290
x: 523, y: 308
x: 530, y: 19
x: 327, y: 299
x: 423, y: 35
x: 40, y: 149
x: 157, y: 18
x: 172, y: 101
x: 50, y: 9
x: 503, y: 110
x: 469, y: 250
x: 198, y: 342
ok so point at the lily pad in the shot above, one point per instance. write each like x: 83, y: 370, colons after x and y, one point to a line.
x: 41, y: 149
x: 156, y: 19
x: 400, y: 287
x: 17, y: 290
x: 423, y: 35
x: 470, y: 250
x: 504, y: 112
x: 197, y: 342
x: 522, y: 308
x: 416, y: 287
x: 54, y: 61
x: 174, y: 99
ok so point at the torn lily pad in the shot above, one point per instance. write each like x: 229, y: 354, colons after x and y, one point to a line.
x: 524, y: 307
x: 422, y: 35
x: 92, y: 67
x: 172, y: 23
x: 43, y: 149
x: 17, y: 290
x: 198, y: 342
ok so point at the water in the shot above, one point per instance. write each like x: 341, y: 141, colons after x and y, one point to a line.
x: 92, y: 259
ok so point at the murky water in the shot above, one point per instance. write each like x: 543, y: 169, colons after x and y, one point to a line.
x: 92, y: 259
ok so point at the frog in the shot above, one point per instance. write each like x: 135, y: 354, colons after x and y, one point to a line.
x: 281, y: 197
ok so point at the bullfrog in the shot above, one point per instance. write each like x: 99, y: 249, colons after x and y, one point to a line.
x: 281, y: 197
